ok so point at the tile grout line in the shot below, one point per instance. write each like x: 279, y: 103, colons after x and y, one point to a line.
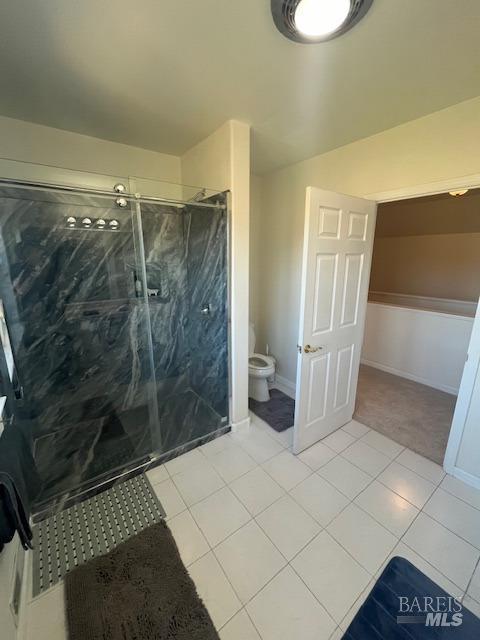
x: 339, y: 490
x: 359, y: 506
x: 229, y: 535
x: 287, y: 492
x: 378, y: 479
x: 469, y: 504
x: 296, y: 484
x: 289, y: 562
x: 421, y: 556
x: 470, y: 581
x: 323, y: 528
x: 314, y: 596
x: 264, y: 508
x: 442, y: 524
x: 300, y: 550
x: 212, y: 550
x: 402, y: 536
x: 188, y: 507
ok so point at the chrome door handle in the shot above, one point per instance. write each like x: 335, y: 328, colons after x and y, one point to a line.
x: 309, y: 349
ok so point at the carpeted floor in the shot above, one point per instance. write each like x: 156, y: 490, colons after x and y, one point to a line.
x: 139, y: 591
x: 412, y: 414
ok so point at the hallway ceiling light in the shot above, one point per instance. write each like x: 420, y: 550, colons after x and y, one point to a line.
x: 459, y: 192
x: 311, y: 21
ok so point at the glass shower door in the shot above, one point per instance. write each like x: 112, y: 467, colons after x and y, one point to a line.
x: 72, y: 288
x: 118, y: 323
x: 186, y: 271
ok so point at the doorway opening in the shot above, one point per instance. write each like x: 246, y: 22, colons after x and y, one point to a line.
x: 423, y: 295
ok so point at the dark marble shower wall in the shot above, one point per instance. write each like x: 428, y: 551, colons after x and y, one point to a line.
x: 207, y: 284
x: 71, y: 307
x: 166, y: 275
x: 80, y: 330
x: 186, y: 267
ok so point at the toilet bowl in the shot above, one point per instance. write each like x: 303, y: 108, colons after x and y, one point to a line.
x: 260, y: 368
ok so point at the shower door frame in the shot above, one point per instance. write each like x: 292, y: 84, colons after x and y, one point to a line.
x: 47, y: 177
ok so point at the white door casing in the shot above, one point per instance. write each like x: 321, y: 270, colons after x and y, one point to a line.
x: 337, y: 255
x: 462, y: 458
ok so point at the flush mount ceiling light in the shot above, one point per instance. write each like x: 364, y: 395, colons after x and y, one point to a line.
x: 459, y: 192
x: 311, y: 21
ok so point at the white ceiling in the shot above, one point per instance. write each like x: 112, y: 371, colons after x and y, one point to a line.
x: 163, y: 74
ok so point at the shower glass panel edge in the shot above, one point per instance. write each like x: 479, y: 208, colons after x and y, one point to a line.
x: 142, y: 293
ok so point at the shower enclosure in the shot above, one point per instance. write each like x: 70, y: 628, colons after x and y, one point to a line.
x: 117, y: 314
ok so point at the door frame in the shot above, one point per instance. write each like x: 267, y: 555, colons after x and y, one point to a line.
x: 462, y: 407
x: 471, y: 181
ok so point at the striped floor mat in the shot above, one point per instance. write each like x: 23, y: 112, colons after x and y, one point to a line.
x: 91, y: 528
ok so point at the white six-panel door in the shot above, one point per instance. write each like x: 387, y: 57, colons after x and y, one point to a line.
x: 337, y: 255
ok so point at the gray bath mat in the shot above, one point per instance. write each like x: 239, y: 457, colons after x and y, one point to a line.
x: 91, y: 528
x: 139, y: 591
x: 278, y: 412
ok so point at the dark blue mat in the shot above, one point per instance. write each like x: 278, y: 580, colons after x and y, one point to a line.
x: 383, y: 616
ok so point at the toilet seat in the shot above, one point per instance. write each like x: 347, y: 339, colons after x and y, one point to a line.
x: 261, y: 368
x: 258, y: 361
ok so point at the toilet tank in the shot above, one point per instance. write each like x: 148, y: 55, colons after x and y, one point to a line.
x: 251, y: 339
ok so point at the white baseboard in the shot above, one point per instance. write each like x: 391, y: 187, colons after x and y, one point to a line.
x: 243, y: 425
x: 288, y: 387
x: 464, y: 476
x: 410, y: 376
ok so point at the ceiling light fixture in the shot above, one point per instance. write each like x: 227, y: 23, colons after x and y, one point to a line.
x: 458, y: 192
x: 311, y: 21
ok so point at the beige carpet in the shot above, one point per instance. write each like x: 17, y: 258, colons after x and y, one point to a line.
x: 412, y: 414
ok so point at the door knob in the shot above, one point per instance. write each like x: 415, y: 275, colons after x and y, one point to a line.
x: 309, y: 349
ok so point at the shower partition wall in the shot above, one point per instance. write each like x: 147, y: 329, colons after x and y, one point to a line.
x: 117, y: 318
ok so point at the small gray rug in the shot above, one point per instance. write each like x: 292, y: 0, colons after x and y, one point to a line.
x: 139, y: 591
x: 278, y: 412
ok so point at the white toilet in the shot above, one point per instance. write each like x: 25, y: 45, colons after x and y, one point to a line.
x: 260, y: 368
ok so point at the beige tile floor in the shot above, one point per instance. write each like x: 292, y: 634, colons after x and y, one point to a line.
x: 282, y: 546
